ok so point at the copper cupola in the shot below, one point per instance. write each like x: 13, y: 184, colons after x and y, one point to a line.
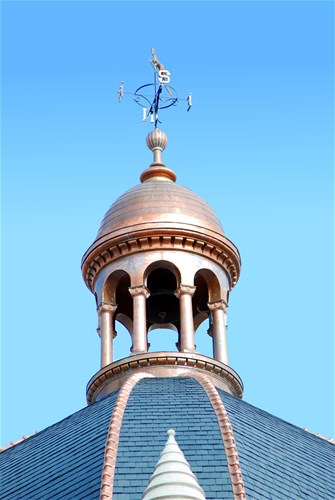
x: 161, y: 260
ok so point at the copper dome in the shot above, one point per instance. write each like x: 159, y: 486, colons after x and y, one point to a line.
x: 158, y: 208
x: 157, y: 203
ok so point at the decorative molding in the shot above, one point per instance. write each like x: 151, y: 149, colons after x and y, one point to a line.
x: 112, y: 441
x: 139, y: 290
x: 185, y: 290
x: 124, y: 367
x: 218, y: 304
x: 105, y: 307
x: 227, y: 434
x: 158, y: 170
x: 221, y: 251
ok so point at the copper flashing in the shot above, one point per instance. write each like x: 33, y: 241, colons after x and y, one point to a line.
x: 227, y: 434
x: 112, y: 442
x: 162, y: 364
x: 14, y: 443
x: 330, y: 440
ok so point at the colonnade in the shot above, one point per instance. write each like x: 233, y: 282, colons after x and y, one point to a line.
x: 106, y: 318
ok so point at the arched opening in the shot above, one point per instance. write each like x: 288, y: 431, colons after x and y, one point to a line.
x: 203, y: 341
x: 162, y: 305
x: 162, y: 339
x: 123, y: 298
x: 122, y: 341
x: 116, y: 292
x: 208, y: 290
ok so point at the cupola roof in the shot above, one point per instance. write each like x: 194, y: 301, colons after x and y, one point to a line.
x: 159, y: 207
x: 159, y: 203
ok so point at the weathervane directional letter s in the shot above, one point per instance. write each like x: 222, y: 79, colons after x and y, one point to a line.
x: 164, y: 76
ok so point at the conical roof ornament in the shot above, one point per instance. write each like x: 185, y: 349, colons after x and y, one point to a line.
x: 172, y: 478
x: 157, y: 141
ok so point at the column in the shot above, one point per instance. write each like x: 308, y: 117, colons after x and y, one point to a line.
x: 185, y: 294
x: 139, y: 337
x: 218, y: 310
x: 107, y: 333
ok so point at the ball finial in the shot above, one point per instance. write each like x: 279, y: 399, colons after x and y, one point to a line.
x: 157, y: 139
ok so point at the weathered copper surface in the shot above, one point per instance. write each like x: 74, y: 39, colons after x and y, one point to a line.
x: 159, y: 201
x: 160, y: 236
x: 161, y: 260
x: 162, y: 364
x: 159, y: 213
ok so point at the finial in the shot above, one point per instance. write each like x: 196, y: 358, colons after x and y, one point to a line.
x: 157, y: 141
x: 173, y: 477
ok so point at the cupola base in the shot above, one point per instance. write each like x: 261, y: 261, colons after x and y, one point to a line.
x: 162, y: 364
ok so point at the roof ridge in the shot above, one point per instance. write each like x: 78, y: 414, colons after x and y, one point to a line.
x: 319, y: 435
x: 17, y: 441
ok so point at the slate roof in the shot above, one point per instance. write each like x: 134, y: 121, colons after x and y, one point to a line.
x: 64, y: 461
x: 170, y: 403
x: 279, y: 460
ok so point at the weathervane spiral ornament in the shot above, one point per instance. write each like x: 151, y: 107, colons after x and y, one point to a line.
x: 163, y: 96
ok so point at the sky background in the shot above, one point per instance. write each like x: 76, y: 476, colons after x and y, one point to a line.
x: 257, y: 145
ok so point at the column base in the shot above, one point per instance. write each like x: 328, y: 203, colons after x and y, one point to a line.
x: 138, y: 352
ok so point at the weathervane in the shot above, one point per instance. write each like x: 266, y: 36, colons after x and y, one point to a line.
x: 163, y: 95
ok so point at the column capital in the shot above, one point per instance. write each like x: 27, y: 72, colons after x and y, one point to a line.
x: 218, y: 304
x: 106, y: 307
x: 185, y: 290
x: 139, y: 290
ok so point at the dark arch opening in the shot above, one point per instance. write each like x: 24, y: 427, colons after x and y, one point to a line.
x: 123, y: 298
x: 200, y: 297
x: 207, y: 287
x: 162, y: 305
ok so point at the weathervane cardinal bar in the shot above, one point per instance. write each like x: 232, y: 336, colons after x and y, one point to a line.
x: 153, y: 97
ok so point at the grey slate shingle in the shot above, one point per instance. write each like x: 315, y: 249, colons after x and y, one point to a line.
x: 279, y: 461
x: 62, y: 462
x: 156, y: 405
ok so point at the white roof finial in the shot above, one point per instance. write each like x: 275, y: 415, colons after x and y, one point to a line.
x: 172, y: 478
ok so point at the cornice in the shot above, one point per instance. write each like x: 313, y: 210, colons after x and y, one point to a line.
x: 219, y: 249
x: 123, y: 368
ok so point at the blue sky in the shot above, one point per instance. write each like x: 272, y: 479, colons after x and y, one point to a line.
x: 257, y: 145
